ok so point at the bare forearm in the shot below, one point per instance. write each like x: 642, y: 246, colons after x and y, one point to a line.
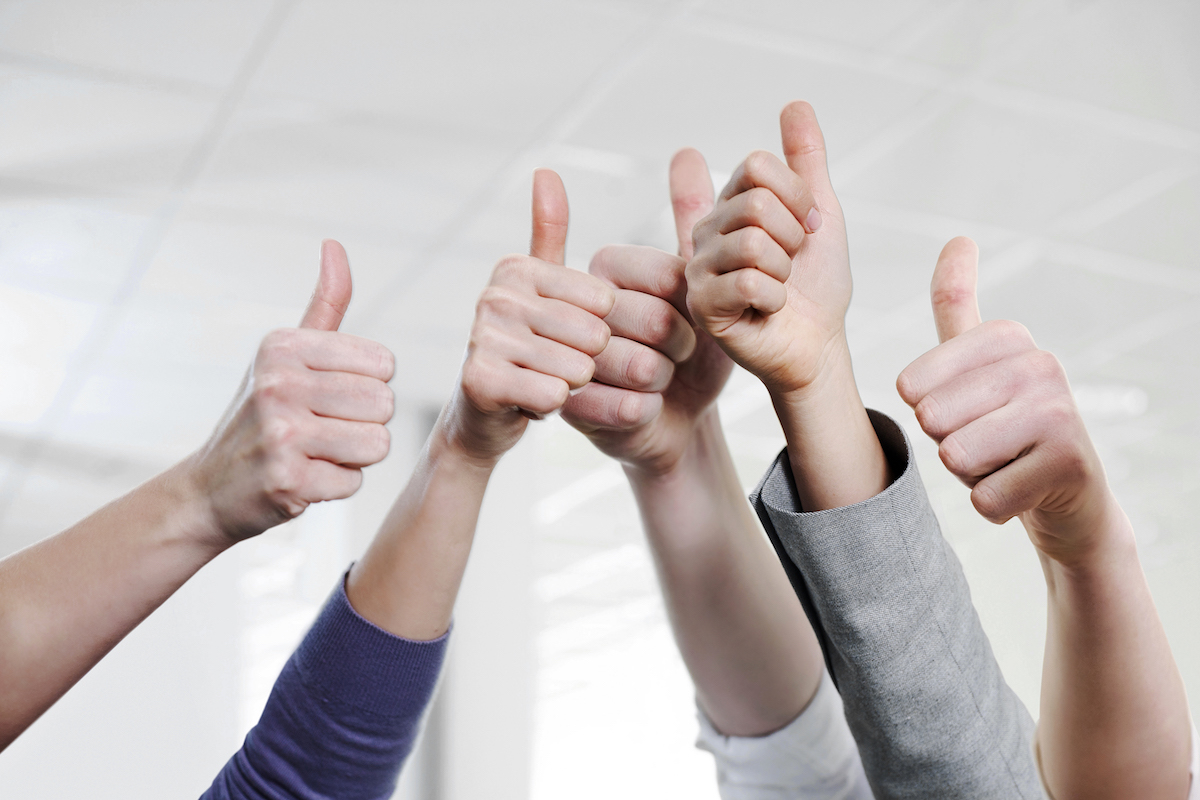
x: 408, y: 580
x: 835, y: 455
x: 749, y: 649
x: 1114, y: 720
x: 68, y: 600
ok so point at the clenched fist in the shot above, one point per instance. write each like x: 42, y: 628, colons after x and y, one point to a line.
x: 309, y: 416
x: 658, y: 375
x: 538, y: 328
x: 1005, y: 420
x: 770, y: 288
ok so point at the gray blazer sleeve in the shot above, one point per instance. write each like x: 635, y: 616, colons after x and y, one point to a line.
x: 924, y: 697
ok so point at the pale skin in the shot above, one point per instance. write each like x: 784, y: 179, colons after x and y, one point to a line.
x: 770, y: 282
x: 751, y: 653
x: 538, y: 328
x: 749, y: 648
x: 308, y: 417
x: 1114, y: 718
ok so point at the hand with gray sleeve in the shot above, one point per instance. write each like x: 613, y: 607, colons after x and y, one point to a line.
x: 767, y: 711
x: 1114, y: 718
x: 843, y: 504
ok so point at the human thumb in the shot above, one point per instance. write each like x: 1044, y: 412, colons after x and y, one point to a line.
x: 332, y: 295
x: 550, y: 215
x: 691, y: 195
x: 952, y: 291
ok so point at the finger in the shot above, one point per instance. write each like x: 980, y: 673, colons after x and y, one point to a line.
x: 598, y: 406
x: 513, y: 310
x: 969, y: 396
x: 351, y: 444
x: 653, y: 322
x: 550, y: 216
x: 952, y: 291
x: 730, y: 294
x: 348, y: 396
x: 752, y: 247
x: 327, y: 351
x: 986, y: 444
x: 994, y: 340
x: 571, y: 286
x: 691, y: 195
x: 1016, y: 488
x: 324, y: 480
x: 496, y: 383
x: 643, y: 269
x: 764, y: 170
x: 804, y: 150
x: 629, y: 365
x: 760, y: 208
x: 332, y: 295
x: 535, y: 353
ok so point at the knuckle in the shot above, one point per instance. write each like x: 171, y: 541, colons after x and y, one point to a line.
x: 752, y: 244
x: 603, y: 258
x: 1011, y: 332
x: 746, y: 282
x: 757, y: 163
x: 477, y: 377
x: 273, y: 387
x: 279, y: 433
x: 282, y: 478
x: 279, y: 344
x: 631, y: 409
x: 758, y: 200
x: 641, y: 369
x: 657, y: 326
x: 496, y: 301
x: 510, y: 269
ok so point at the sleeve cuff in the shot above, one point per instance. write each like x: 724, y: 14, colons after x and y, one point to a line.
x: 350, y: 660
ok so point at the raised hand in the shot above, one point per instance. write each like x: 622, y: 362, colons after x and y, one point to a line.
x: 764, y: 283
x: 658, y: 374
x: 538, y: 328
x: 1005, y: 420
x: 309, y: 416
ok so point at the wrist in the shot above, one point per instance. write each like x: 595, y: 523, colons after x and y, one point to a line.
x: 465, y: 434
x: 831, y: 383
x: 1090, y: 546
x: 703, y: 432
x: 835, y: 455
x: 450, y: 444
x: 200, y: 523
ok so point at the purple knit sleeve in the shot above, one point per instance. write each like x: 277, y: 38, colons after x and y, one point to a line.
x: 342, y: 717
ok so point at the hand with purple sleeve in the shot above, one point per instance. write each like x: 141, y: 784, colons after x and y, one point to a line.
x: 346, y: 709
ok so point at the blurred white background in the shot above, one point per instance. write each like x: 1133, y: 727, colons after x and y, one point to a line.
x: 168, y: 169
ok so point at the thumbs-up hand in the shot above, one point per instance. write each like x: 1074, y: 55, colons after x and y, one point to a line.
x: 658, y: 374
x: 1005, y: 420
x: 309, y: 416
x: 538, y: 328
x: 770, y: 280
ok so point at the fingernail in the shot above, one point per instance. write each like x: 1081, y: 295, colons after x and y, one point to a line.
x: 813, y: 220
